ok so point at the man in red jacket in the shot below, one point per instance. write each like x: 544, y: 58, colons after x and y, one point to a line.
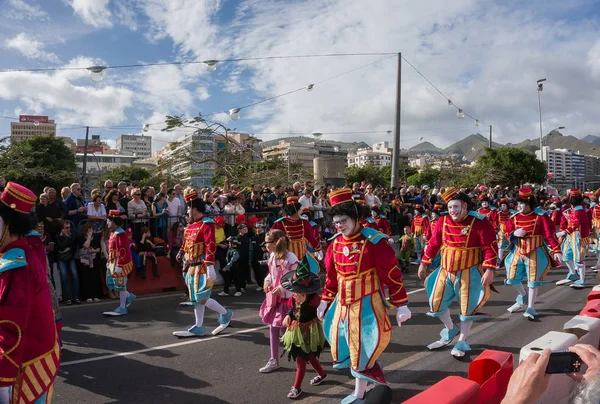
x: 575, y: 227
x: 29, y: 349
x: 469, y: 251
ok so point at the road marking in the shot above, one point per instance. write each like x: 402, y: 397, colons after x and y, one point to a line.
x: 345, y: 387
x: 157, y: 348
x: 162, y: 296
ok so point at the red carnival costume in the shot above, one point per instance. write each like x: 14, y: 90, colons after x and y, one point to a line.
x: 29, y: 349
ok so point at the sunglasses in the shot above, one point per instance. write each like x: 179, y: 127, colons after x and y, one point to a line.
x: 340, y: 222
x: 67, y: 227
x: 137, y: 194
x: 269, y: 242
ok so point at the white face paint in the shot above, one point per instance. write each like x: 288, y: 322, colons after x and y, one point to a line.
x: 108, y: 223
x: 522, y: 207
x: 344, y: 224
x: 504, y: 207
x: 485, y: 204
x: 373, y: 213
x: 434, y: 216
x: 457, y: 210
x: 417, y: 213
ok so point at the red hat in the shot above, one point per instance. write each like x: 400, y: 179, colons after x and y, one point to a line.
x: 438, y: 206
x: 219, y: 220
x: 597, y: 192
x: 574, y: 192
x: 484, y: 197
x: 18, y: 198
x: 340, y: 196
x: 418, y: 206
x: 129, y: 232
x: 361, y: 202
x: 239, y: 219
x: 190, y: 195
x: 502, y: 201
x: 291, y: 199
x: 114, y: 213
x: 252, y: 220
x: 304, y: 209
x: 450, y: 194
x: 525, y: 193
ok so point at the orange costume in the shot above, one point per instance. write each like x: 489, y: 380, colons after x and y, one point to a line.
x: 29, y: 348
x: 419, y: 229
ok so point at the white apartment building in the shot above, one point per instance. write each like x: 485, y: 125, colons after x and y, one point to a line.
x: 294, y: 153
x: 30, y: 126
x: 140, y: 145
x: 200, y: 146
x: 567, y: 167
x: 380, y: 155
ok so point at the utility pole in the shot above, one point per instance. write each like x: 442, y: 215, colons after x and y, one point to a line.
x: 491, y: 137
x: 396, y: 150
x: 84, y: 167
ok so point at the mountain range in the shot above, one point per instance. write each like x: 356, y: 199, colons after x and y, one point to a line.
x: 474, y: 145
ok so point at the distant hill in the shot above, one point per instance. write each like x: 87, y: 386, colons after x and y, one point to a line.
x: 592, y: 139
x: 350, y: 146
x: 426, y: 147
x: 556, y: 140
x: 470, y: 147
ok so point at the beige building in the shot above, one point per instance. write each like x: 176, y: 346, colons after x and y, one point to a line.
x: 30, y: 126
x: 246, y: 144
x: 294, y: 153
x: 138, y: 145
x: 69, y: 142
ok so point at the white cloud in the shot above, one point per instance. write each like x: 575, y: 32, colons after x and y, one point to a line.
x: 126, y: 16
x: 202, y: 93
x: 484, y: 55
x: 30, y: 48
x: 20, y: 10
x: 92, y: 12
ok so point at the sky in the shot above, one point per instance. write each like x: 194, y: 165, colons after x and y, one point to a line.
x: 483, y: 55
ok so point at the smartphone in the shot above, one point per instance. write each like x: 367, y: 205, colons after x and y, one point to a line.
x: 564, y: 362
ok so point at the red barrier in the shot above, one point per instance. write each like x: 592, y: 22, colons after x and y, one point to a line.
x: 170, y: 279
x: 594, y: 295
x: 492, y: 371
x: 591, y: 309
x: 451, y: 390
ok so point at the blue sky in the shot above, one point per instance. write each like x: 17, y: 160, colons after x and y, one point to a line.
x: 484, y: 55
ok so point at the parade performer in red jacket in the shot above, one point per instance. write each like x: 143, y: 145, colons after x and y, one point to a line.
x: 198, y: 255
x: 575, y: 227
x: 300, y: 233
x: 469, y: 250
x: 488, y: 211
x: 595, y: 208
x: 504, y: 214
x: 419, y: 227
x: 528, y: 231
x: 29, y: 349
x: 359, y: 263
x: 378, y: 221
x: 119, y: 265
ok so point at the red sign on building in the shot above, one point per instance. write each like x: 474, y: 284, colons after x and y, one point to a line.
x: 33, y: 118
x: 90, y: 149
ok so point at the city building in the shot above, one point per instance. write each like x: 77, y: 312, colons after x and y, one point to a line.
x: 330, y: 170
x: 69, y: 142
x: 247, y: 145
x: 566, y: 168
x: 95, y: 145
x: 292, y: 153
x: 380, y: 155
x: 30, y: 126
x: 140, y: 145
x: 198, y: 167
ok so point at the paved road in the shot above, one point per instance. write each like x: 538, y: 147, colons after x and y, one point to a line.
x: 134, y: 359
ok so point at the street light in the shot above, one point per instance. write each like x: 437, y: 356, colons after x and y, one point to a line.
x: 234, y: 113
x: 460, y: 114
x: 146, y: 127
x: 96, y: 73
x: 211, y: 65
x: 309, y: 87
x: 540, y: 88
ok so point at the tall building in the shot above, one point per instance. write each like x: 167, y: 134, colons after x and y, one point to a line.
x: 568, y: 168
x: 198, y: 168
x: 95, y: 145
x: 247, y: 145
x: 292, y: 153
x: 140, y: 145
x: 30, y: 126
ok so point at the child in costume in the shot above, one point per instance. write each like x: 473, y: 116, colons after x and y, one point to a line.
x: 148, y: 250
x: 407, y: 248
x: 304, y: 338
x: 231, y: 271
x: 276, y: 305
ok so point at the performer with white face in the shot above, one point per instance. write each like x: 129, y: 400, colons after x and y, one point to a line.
x: 469, y: 252
x: 359, y: 262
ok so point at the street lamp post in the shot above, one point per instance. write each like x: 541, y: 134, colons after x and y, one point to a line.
x: 396, y: 149
x: 540, y: 88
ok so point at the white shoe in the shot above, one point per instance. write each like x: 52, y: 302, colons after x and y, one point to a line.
x: 223, y: 294
x: 238, y: 294
x: 96, y: 300
x: 515, y: 307
x: 259, y: 289
x: 242, y: 290
x: 271, y: 365
x: 90, y: 300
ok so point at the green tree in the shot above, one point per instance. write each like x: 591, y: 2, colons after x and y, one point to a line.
x: 38, y: 162
x: 428, y: 176
x: 509, y: 166
x: 124, y: 173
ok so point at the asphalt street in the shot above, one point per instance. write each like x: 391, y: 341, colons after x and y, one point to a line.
x: 135, y: 359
